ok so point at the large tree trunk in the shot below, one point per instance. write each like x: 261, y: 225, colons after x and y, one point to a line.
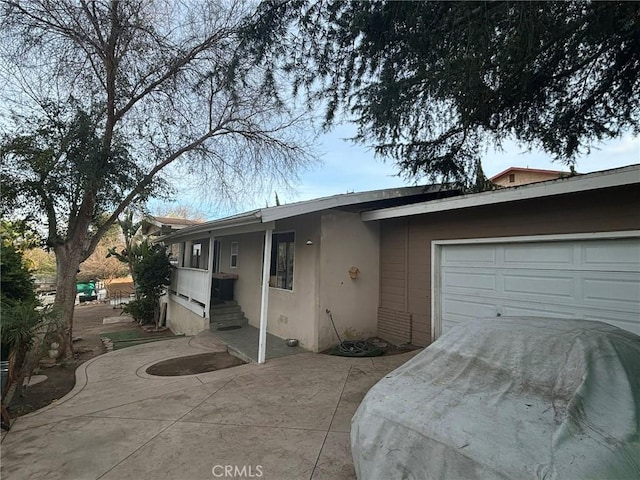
x: 68, y: 259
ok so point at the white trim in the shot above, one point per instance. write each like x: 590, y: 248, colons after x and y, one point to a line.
x: 207, y: 311
x: 277, y: 289
x: 436, y: 254
x: 264, y: 301
x: 245, y: 223
x: 545, y: 238
x: 192, y: 269
x: 190, y: 305
x: 592, y: 181
x: 341, y: 200
x: 261, y: 219
x: 218, y: 257
x: 435, y: 290
x: 231, y: 254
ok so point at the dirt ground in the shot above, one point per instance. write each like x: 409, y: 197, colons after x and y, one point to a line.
x: 194, y: 364
x: 87, y: 325
x: 388, y: 348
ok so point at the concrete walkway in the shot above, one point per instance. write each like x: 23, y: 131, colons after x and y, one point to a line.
x: 244, y: 343
x: 286, y: 419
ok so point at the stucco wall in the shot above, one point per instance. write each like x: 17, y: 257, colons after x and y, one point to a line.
x: 293, y: 314
x: 182, y: 320
x: 603, y: 210
x: 348, y: 242
x: 247, y: 287
x: 339, y: 241
x: 523, y: 177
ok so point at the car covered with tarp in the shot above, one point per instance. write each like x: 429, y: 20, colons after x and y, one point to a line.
x: 517, y: 398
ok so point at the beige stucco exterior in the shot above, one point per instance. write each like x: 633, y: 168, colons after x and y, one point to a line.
x: 327, y: 245
x: 405, y: 245
x: 523, y: 176
x: 247, y: 286
x: 348, y: 242
x: 291, y: 314
x: 182, y: 320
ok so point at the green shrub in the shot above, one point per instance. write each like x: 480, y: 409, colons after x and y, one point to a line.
x: 142, y: 310
x: 16, y: 284
x: 153, y: 274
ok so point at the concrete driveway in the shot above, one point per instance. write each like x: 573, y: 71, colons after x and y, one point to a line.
x: 286, y: 419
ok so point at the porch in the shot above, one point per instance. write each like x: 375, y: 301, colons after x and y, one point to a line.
x: 243, y: 342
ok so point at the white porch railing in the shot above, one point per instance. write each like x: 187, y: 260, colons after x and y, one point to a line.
x: 191, y: 283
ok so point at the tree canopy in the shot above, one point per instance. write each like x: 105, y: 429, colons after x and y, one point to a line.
x: 101, y: 98
x: 431, y: 84
x: 55, y: 163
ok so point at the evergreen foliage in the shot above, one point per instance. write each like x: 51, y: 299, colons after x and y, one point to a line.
x: 432, y: 84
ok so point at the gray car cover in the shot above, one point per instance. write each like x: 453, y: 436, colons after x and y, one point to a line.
x: 519, y: 398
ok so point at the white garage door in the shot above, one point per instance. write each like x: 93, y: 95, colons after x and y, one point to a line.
x: 588, y: 279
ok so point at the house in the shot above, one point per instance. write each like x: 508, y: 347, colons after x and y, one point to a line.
x: 407, y: 264
x: 515, y: 176
x: 567, y: 248
x: 155, y: 226
x: 286, y: 267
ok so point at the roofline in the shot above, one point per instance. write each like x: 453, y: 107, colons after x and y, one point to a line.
x: 241, y: 220
x: 579, y: 183
x: 160, y: 220
x: 342, y: 200
x: 271, y: 214
x: 527, y: 169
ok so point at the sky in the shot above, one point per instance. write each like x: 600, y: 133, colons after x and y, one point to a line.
x: 347, y: 167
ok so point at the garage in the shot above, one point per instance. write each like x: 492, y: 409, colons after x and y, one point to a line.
x: 585, y: 276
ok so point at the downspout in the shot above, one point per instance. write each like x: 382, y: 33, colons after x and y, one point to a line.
x: 264, y: 304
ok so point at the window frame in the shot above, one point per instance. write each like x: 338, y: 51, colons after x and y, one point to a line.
x: 233, y: 255
x: 195, y: 256
x: 197, y: 253
x: 290, y: 257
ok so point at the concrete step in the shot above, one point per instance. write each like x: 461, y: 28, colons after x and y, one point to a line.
x: 239, y: 354
x: 225, y: 310
x: 226, y: 317
x: 226, y: 303
x: 237, y: 322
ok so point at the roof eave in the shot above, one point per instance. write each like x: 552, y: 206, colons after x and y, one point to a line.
x: 248, y: 218
x: 592, y: 181
x: 337, y: 201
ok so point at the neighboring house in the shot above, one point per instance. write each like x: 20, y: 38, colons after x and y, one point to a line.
x: 515, y: 176
x: 155, y: 226
x: 567, y: 248
x: 407, y: 264
x: 288, y: 265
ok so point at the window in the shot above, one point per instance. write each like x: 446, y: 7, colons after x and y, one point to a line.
x: 199, y: 254
x: 174, y: 254
x: 234, y: 255
x: 512, y: 177
x: 196, y: 254
x: 282, y: 255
